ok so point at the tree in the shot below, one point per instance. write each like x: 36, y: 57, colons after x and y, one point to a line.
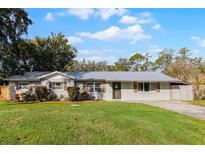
x: 52, y: 53
x: 185, y: 68
x: 147, y: 64
x: 121, y: 65
x: 198, y: 77
x: 180, y: 70
x: 136, y: 62
x: 86, y: 66
x: 41, y: 54
x: 165, y: 58
x: 181, y: 67
x: 184, y: 54
x: 17, y: 58
x: 13, y: 23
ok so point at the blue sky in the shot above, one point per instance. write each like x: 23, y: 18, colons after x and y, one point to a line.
x: 108, y: 34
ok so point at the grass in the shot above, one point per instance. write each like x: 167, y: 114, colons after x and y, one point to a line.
x: 198, y: 102
x: 96, y: 123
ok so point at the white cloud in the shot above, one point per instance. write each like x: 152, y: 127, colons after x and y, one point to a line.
x: 98, y: 55
x: 132, y: 33
x: 154, y: 49
x: 197, y: 53
x: 82, y: 13
x: 126, y: 19
x: 195, y: 38
x: 145, y: 14
x: 199, y: 40
x: 74, y: 40
x: 105, y: 14
x: 156, y: 26
x: 203, y: 43
x: 129, y: 19
x: 49, y: 17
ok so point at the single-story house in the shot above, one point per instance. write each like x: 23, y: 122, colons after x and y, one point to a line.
x: 107, y: 85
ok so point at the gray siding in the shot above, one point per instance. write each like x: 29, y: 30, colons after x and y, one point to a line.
x: 167, y: 92
x: 127, y: 93
x: 181, y: 92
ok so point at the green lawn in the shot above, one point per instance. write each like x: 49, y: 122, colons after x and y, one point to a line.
x: 198, y: 102
x: 96, y: 123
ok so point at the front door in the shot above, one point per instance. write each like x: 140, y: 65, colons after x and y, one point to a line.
x: 116, y: 90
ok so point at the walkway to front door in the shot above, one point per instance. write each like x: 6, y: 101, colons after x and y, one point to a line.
x: 178, y: 106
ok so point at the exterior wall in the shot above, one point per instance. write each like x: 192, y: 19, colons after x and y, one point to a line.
x: 167, y: 91
x: 108, y: 91
x: 104, y: 95
x: 59, y: 78
x: 127, y: 92
x: 55, y: 78
x: 13, y: 86
x: 181, y: 92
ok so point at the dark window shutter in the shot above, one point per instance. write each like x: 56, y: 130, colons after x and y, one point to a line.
x: 140, y: 86
x: 135, y: 87
x: 158, y: 87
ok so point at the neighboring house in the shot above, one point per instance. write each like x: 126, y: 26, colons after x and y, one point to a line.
x: 107, y: 85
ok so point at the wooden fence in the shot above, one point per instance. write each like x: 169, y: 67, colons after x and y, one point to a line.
x: 4, y: 93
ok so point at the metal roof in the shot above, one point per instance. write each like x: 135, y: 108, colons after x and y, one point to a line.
x: 28, y: 76
x: 108, y: 76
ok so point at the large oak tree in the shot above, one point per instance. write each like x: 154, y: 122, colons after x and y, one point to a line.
x: 14, y: 23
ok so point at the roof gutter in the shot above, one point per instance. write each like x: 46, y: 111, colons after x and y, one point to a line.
x: 22, y: 80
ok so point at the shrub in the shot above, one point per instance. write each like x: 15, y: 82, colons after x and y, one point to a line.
x: 203, y: 98
x: 18, y: 97
x: 41, y: 92
x: 85, y: 96
x: 62, y: 97
x: 52, y: 97
x: 73, y: 93
x: 29, y: 96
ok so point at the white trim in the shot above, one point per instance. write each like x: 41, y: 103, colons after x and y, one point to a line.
x: 56, y: 72
x: 94, y: 91
x: 26, y: 83
x: 143, y: 87
x: 62, y: 87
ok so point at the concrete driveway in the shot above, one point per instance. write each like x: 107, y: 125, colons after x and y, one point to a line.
x: 178, y: 106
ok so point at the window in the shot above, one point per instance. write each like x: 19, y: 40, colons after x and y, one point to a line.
x: 57, y: 85
x: 94, y: 87
x: 140, y: 86
x: 146, y: 86
x: 90, y: 87
x: 97, y: 87
x: 23, y: 86
x: 152, y: 87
